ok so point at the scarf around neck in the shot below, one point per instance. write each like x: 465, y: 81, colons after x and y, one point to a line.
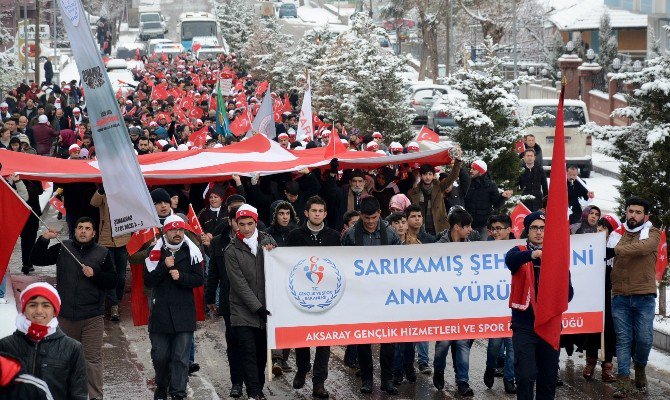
x: 252, y: 242
x: 155, y: 254
x: 35, y: 332
x: 617, y: 234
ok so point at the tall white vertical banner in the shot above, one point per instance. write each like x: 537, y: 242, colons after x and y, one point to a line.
x: 305, y: 122
x: 130, y: 205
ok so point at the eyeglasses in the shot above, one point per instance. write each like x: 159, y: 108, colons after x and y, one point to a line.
x: 536, y: 228
x: 498, y: 228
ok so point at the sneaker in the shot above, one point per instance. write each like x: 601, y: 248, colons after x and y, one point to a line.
x: 236, y: 391
x: 319, y: 391
x: 193, y: 368
x: 489, y: 377
x: 26, y: 270
x: 510, y: 387
x: 389, y: 388
x: 499, y: 372
x: 114, y: 313
x: 277, y: 370
x: 425, y: 369
x: 366, y: 387
x: 464, y: 389
x: 285, y: 367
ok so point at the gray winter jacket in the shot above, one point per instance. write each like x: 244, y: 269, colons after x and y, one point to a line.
x: 247, y: 280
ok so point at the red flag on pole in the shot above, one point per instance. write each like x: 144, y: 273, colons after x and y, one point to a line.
x: 517, y: 216
x: 57, y: 204
x: 287, y: 104
x: 428, y: 134
x: 262, y: 87
x: 240, y: 125
x: 13, y: 216
x: 199, y: 137
x: 662, y: 257
x: 520, y: 147
x: 193, y: 220
x: 139, y: 238
x: 553, y: 289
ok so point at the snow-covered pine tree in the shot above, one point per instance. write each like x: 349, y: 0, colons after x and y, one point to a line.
x: 265, y: 48
x: 306, y: 55
x: 360, y: 82
x: 488, y: 125
x: 556, y: 50
x: 10, y: 69
x: 608, y: 44
x: 235, y: 18
x: 643, y: 147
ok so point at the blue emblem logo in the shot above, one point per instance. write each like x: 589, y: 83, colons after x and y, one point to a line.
x: 315, y: 284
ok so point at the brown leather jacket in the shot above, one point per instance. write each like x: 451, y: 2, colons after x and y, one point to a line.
x: 634, y: 270
x: 105, y: 237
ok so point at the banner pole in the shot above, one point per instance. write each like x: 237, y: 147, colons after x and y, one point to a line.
x: 269, y: 365
x: 602, y: 345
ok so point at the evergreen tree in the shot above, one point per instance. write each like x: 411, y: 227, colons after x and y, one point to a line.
x: 236, y: 18
x: 557, y: 49
x: 11, y: 73
x: 643, y: 147
x: 265, y: 48
x: 360, y: 82
x: 608, y: 44
x: 488, y: 125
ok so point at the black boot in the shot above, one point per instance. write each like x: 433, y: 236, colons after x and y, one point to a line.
x: 366, y: 387
x: 387, y: 386
x: 464, y: 389
x: 510, y: 387
x: 438, y: 380
x: 410, y: 374
x: 160, y: 394
x: 236, y: 391
x: 319, y: 391
x: 299, y: 380
x: 489, y: 377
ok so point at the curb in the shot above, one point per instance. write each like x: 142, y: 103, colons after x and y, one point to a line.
x: 606, y: 172
x: 661, y: 341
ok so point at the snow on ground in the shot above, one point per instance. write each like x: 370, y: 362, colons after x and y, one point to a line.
x: 8, y: 311
x: 601, y: 160
x: 316, y: 15
x: 345, y: 8
x: 662, y: 324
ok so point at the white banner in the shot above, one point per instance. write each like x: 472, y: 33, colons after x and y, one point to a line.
x: 305, y: 122
x: 386, y: 294
x: 130, y: 205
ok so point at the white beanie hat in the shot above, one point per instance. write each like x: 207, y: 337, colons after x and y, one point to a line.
x: 480, y: 166
x: 43, y: 119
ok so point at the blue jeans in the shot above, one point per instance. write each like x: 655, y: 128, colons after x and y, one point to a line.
x: 460, y: 353
x: 3, y: 285
x: 169, y: 354
x: 493, y: 349
x: 422, y: 353
x: 634, y: 326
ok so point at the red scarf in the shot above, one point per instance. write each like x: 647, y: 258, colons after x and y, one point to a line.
x: 523, y: 286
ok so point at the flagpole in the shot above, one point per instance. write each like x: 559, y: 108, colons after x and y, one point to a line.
x: 42, y: 221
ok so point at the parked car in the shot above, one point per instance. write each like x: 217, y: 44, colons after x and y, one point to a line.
x: 422, y: 98
x: 154, y: 17
x: 437, y: 117
x: 578, y: 145
x: 121, y: 76
x: 152, y: 43
x: 151, y: 30
x: 288, y: 10
x: 127, y: 50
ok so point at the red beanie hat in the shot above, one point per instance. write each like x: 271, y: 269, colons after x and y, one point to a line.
x: 40, y: 289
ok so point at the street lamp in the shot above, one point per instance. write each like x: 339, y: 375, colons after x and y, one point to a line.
x: 616, y: 64
x: 637, y: 66
x: 531, y: 70
x: 590, y: 55
x: 559, y: 74
x: 544, y: 72
x: 569, y: 47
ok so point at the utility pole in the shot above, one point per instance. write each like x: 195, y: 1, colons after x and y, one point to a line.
x: 448, y: 20
x: 25, y: 38
x: 54, y: 41
x: 37, y: 41
x: 514, y: 29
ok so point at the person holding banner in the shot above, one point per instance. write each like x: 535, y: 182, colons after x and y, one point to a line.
x: 314, y: 233
x: 536, y: 361
x: 172, y: 270
x: 634, y: 246
x: 370, y: 230
x: 245, y: 268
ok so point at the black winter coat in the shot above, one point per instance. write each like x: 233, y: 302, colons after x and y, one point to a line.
x: 482, y: 198
x: 172, y: 302
x: 304, y: 237
x: 57, y: 359
x: 533, y: 181
x: 81, y: 297
x: 20, y: 385
x: 576, y: 191
x: 218, y: 277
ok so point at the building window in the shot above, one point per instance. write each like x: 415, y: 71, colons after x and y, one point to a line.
x: 628, y: 4
x: 646, y: 6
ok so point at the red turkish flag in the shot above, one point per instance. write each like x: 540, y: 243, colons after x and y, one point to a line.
x: 196, y: 47
x: 160, y: 92
x: 119, y: 94
x: 196, y: 80
x: 240, y: 125
x: 193, y: 220
x: 428, y: 135
x: 552, y: 296
x: 139, y: 238
x: 262, y: 87
x: 13, y: 216
x: 662, y: 257
x: 520, y: 147
x: 186, y: 103
x: 164, y: 57
x: 195, y: 113
x: 316, y: 121
x: 517, y: 216
x: 199, y: 137
x: 239, y: 85
x: 287, y: 105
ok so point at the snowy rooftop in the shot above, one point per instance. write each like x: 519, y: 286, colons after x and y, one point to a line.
x: 585, y: 15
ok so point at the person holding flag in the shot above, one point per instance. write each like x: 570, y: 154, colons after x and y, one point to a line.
x: 222, y: 123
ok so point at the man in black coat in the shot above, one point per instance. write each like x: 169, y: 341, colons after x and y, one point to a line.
x: 313, y: 233
x: 217, y: 278
x: 483, y: 196
x: 48, y: 72
x: 576, y: 190
x: 533, y: 181
x: 172, y: 270
x: 530, y: 143
x: 82, y: 285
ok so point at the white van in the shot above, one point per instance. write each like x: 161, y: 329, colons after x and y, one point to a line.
x: 578, y: 146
